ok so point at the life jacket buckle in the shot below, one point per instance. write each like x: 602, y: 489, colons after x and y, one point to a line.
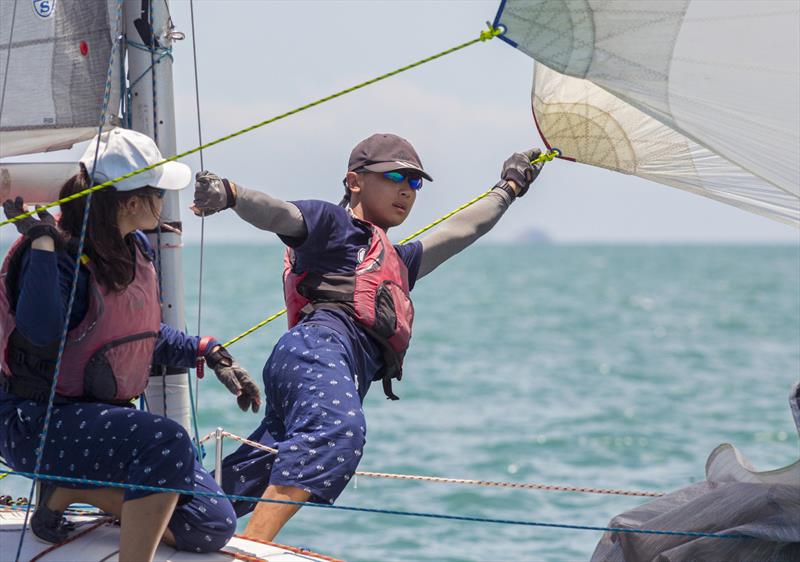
x: 20, y: 357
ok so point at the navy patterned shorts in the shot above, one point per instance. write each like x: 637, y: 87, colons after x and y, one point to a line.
x: 117, y: 444
x: 313, y: 418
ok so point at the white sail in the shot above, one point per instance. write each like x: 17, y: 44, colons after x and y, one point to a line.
x: 589, y: 125
x: 53, y: 70
x: 724, y: 74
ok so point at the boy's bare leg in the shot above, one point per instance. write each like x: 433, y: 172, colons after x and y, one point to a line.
x: 268, y: 518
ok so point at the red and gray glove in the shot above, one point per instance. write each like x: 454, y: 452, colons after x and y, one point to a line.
x: 235, y: 378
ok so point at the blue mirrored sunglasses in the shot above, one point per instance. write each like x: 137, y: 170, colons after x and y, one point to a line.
x: 414, y: 183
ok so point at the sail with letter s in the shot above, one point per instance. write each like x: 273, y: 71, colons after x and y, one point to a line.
x: 54, y: 62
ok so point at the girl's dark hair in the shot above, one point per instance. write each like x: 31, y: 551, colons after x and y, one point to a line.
x: 112, y: 256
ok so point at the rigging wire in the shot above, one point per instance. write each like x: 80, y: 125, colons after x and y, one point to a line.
x: 200, y: 360
x: 153, y: 40
x: 151, y: 47
x: 164, y: 51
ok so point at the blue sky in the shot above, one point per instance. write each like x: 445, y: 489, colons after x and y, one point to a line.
x: 465, y: 114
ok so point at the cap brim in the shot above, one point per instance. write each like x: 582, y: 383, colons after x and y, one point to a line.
x: 174, y: 176
x: 397, y: 165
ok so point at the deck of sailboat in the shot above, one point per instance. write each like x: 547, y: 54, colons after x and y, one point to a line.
x: 97, y: 539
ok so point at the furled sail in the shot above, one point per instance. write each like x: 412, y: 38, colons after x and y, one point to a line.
x: 37, y: 182
x: 54, y: 62
x: 733, y: 499
x: 699, y: 94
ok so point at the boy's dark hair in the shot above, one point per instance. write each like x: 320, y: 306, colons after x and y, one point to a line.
x: 346, y: 198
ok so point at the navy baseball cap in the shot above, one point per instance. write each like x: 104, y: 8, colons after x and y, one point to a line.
x: 385, y: 152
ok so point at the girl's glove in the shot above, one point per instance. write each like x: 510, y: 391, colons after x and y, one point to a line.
x: 212, y: 193
x: 29, y: 226
x: 235, y: 378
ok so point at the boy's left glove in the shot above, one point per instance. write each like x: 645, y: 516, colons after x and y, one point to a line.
x: 518, y: 168
x: 235, y: 378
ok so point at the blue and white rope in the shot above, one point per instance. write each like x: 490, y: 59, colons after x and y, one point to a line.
x: 444, y: 516
x: 195, y: 398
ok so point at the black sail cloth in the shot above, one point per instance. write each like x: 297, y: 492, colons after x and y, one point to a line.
x: 734, y: 499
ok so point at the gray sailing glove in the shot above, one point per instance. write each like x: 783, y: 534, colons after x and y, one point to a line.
x: 29, y: 226
x: 518, y: 169
x: 235, y: 378
x: 212, y: 193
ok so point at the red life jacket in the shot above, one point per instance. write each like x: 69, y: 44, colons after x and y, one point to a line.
x: 107, y: 357
x: 375, y: 295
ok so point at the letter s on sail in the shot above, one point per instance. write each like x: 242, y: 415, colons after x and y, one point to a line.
x: 44, y: 8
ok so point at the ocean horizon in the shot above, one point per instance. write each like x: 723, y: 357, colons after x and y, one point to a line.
x: 594, y: 365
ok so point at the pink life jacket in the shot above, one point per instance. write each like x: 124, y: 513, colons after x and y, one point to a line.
x: 107, y: 357
x: 375, y: 295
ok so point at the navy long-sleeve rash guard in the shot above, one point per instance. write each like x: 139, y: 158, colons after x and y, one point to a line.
x: 45, y: 284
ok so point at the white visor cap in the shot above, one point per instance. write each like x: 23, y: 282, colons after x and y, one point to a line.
x: 123, y: 151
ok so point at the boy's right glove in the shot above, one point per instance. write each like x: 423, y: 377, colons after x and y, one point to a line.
x: 518, y: 169
x: 212, y: 193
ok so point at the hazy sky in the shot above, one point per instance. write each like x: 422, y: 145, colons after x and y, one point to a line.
x: 464, y: 113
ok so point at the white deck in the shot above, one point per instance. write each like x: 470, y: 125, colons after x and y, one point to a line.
x: 102, y: 544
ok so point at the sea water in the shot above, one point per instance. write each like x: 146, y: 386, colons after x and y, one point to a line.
x: 594, y: 366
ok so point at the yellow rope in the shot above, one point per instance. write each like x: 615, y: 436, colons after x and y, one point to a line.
x: 256, y: 327
x: 445, y: 217
x: 545, y: 157
x: 484, y: 36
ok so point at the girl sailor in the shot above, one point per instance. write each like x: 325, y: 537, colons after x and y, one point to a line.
x: 115, y: 334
